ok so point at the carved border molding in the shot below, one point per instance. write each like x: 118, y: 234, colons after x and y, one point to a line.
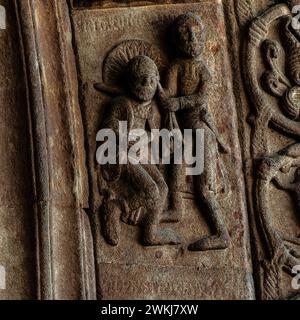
x: 252, y: 23
x: 81, y: 4
x: 64, y: 245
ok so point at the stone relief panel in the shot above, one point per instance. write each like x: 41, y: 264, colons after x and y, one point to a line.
x: 157, y: 232
x: 270, y: 65
x: 164, y: 67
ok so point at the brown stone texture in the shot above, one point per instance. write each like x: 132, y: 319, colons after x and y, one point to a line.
x: 130, y: 264
x: 17, y: 231
x: 72, y: 229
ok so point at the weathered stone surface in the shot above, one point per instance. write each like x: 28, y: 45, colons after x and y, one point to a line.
x: 269, y: 118
x: 122, y: 3
x: 73, y: 229
x: 16, y: 194
x: 130, y: 264
x: 57, y: 153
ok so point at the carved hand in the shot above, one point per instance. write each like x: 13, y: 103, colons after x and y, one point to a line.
x: 172, y: 105
x: 168, y: 104
x: 132, y: 218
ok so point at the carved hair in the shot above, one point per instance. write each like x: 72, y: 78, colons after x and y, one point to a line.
x: 141, y: 64
x: 116, y: 63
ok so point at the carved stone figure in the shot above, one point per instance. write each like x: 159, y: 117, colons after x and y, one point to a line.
x: 269, y: 163
x: 145, y: 202
x: 187, y: 86
x: 283, y: 255
x: 78, y: 228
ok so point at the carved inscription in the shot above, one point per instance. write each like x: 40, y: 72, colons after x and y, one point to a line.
x: 123, y: 22
x: 122, y: 3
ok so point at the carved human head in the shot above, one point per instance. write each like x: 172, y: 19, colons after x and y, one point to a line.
x: 189, y: 35
x: 143, y: 78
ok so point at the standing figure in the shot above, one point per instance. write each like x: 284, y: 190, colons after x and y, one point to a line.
x: 138, y: 192
x: 186, y: 94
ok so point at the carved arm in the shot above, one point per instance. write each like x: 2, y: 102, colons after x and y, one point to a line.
x: 283, y: 185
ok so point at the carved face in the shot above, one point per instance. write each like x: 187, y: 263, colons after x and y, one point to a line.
x: 143, y: 77
x: 190, y: 35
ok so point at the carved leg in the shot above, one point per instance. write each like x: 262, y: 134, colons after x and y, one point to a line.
x: 281, y: 255
x: 155, y: 235
x: 159, y: 180
x: 205, y: 187
x: 176, y: 211
x: 221, y: 239
x: 111, y: 222
x: 154, y: 193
